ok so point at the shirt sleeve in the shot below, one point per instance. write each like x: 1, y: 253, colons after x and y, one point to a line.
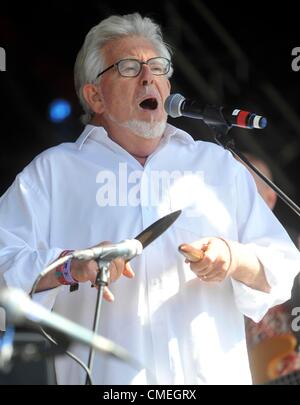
x: 24, y: 237
x: 263, y: 234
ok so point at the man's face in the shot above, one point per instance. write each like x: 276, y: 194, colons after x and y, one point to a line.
x: 123, y: 97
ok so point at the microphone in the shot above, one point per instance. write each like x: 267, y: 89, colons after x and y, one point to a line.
x: 176, y: 105
x: 20, y: 309
x: 126, y: 249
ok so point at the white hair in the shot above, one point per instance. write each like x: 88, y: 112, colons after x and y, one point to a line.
x: 90, y: 61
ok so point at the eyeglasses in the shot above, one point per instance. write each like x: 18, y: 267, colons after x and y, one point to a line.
x: 159, y: 66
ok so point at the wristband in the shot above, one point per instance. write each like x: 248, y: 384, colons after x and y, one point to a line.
x: 63, y: 272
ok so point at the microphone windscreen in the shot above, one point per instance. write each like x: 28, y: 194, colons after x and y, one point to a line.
x: 173, y: 105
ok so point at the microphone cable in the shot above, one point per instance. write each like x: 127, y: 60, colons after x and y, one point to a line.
x: 52, y: 266
x: 70, y: 354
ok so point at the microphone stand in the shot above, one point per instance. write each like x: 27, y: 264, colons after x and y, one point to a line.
x: 222, y: 137
x: 101, y: 282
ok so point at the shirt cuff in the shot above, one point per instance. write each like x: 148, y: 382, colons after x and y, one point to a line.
x: 280, y: 272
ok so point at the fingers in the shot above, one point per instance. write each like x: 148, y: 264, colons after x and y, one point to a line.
x: 204, y: 266
x: 119, y: 267
x: 214, y: 272
x: 215, y: 276
x: 208, y: 259
x: 128, y: 272
x: 108, y: 295
x: 84, y: 271
x: 116, y: 269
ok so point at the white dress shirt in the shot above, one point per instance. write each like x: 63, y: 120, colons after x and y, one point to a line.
x: 183, y: 330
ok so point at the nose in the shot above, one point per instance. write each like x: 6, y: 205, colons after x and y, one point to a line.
x: 146, y: 76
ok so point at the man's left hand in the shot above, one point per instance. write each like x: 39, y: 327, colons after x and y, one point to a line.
x: 209, y: 258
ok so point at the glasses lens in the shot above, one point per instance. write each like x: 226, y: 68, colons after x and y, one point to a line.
x: 129, y: 67
x: 159, y: 65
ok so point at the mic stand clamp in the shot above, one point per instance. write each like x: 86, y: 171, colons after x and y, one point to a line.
x: 101, y: 281
x: 221, y: 135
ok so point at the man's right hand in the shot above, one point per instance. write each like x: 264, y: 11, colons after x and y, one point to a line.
x: 83, y: 271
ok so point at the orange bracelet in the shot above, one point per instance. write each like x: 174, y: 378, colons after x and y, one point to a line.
x: 230, y: 253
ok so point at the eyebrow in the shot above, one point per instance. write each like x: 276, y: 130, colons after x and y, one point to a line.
x: 136, y: 58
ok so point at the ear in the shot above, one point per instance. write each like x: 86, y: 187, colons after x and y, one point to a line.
x: 92, y: 96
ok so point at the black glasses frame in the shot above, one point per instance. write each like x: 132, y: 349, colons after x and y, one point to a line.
x: 140, y: 63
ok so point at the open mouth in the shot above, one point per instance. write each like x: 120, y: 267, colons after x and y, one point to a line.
x: 149, y: 104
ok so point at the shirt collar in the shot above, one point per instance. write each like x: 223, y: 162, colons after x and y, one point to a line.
x: 88, y: 130
x: 176, y: 133
x: 100, y: 133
